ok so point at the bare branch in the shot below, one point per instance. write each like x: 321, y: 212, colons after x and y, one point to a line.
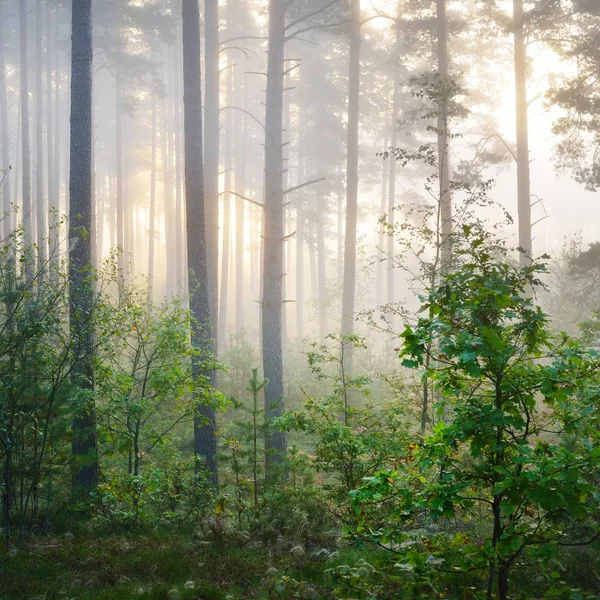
x: 302, y: 185
x: 252, y: 201
x: 314, y: 27
x: 244, y: 111
x: 242, y: 37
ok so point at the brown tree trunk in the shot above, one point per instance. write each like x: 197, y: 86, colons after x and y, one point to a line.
x: 445, y: 207
x: 85, y: 452
x: 205, y: 444
x: 523, y: 171
x: 349, y: 290
x: 152, y: 216
x: 41, y: 212
x: 8, y: 223
x: 119, y: 176
x: 25, y: 148
x: 273, y: 240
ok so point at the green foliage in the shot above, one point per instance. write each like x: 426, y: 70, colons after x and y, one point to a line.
x: 510, y: 395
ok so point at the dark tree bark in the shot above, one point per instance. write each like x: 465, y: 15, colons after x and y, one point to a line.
x: 273, y: 240
x: 25, y: 148
x: 85, y: 475
x: 205, y: 444
x: 523, y: 170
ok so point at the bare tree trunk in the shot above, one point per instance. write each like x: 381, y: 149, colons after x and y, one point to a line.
x: 167, y: 150
x: 321, y: 260
x: 180, y: 231
x: 228, y: 164
x: 300, y: 225
x: 523, y: 171
x: 7, y: 208
x: 349, y: 291
x: 240, y: 186
x: 444, y: 137
x: 273, y: 240
x: 41, y: 212
x: 205, y: 444
x: 392, y: 189
x: 152, y: 226
x: 119, y: 174
x: 52, y: 193
x: 57, y: 119
x: 211, y: 166
x: 26, y: 156
x: 381, y: 256
x: 85, y: 476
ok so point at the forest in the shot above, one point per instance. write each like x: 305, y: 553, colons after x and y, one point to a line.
x: 299, y: 299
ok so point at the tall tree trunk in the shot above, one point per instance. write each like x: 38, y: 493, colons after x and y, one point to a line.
x: 240, y: 186
x: 180, y: 232
x: 322, y: 269
x: 205, y: 442
x: 41, y: 213
x: 211, y: 163
x: 349, y: 291
x: 300, y: 224
x: 57, y: 118
x: 445, y: 207
x: 52, y: 193
x: 6, y: 186
x: 169, y: 208
x: 275, y: 441
x: 226, y: 242
x: 523, y: 171
x: 119, y: 175
x: 394, y: 141
x: 26, y: 156
x: 85, y: 476
x: 152, y: 225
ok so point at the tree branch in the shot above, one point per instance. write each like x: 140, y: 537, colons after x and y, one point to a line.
x: 302, y: 185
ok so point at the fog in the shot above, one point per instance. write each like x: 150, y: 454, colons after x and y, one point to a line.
x: 139, y: 178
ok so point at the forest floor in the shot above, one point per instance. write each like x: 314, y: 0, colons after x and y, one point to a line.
x: 173, y: 567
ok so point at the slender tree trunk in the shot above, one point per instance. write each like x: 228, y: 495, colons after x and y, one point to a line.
x: 392, y: 189
x: 167, y: 152
x: 205, y: 444
x: 6, y: 186
x: 321, y: 260
x: 523, y: 171
x: 152, y: 226
x: 41, y: 212
x: 340, y: 238
x: 349, y: 291
x: 52, y: 192
x: 300, y: 225
x: 180, y: 231
x: 240, y: 186
x: 444, y: 137
x: 226, y: 242
x: 26, y: 153
x: 211, y: 166
x: 119, y: 176
x: 275, y: 441
x: 57, y: 118
x: 85, y: 476
x: 381, y: 256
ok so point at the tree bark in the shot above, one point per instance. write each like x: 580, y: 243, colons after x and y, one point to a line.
x: 273, y: 240
x: 152, y: 216
x: 119, y: 176
x: 25, y: 149
x: 205, y: 444
x: 523, y: 170
x: 85, y: 475
x: 240, y: 186
x: 52, y: 193
x: 6, y: 187
x: 41, y: 212
x: 445, y: 207
x: 180, y: 232
x: 211, y: 164
x: 349, y: 290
